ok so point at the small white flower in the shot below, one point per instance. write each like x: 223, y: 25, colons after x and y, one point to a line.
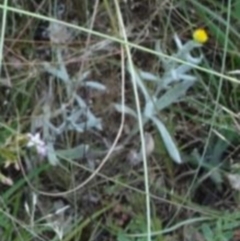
x: 35, y: 140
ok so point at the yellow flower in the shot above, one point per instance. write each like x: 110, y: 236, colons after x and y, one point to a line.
x: 200, y: 35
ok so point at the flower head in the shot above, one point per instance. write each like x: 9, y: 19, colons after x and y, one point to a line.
x: 200, y: 35
x: 35, y: 140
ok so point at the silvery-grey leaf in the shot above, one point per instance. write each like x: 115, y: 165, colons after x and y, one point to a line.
x: 172, y: 76
x: 80, y: 101
x: 75, y: 115
x: 125, y: 109
x: 188, y: 47
x: 73, y: 153
x: 83, y: 76
x: 94, y: 85
x: 165, y: 81
x: 52, y: 158
x: 56, y: 72
x: 56, y: 130
x: 186, y: 77
x: 150, y: 108
x: 135, y: 77
x: 76, y: 127
x: 193, y: 60
x: 86, y: 125
x: 183, y: 68
x: 62, y: 63
x: 149, y: 76
x: 184, y: 52
x: 167, y: 140
x: 93, y: 121
x: 178, y: 41
x: 173, y: 95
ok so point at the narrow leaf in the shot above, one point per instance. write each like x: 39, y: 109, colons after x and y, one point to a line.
x: 73, y: 153
x: 167, y: 139
x: 125, y: 109
x: 94, y: 85
x: 52, y: 158
x: 148, y: 76
x: 135, y: 77
x: 173, y: 95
